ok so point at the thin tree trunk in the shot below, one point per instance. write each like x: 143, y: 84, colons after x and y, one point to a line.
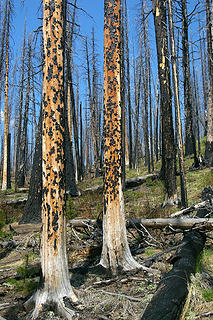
x: 21, y: 93
x: 23, y: 150
x: 190, y: 142
x: 209, y: 137
x: 128, y: 90
x: 177, y: 109
x: 6, y: 183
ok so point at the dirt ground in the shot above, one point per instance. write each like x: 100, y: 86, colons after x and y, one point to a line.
x: 100, y: 296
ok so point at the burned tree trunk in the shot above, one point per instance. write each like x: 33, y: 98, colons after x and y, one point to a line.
x: 128, y: 90
x: 116, y: 254
x: 6, y: 183
x: 32, y: 209
x: 177, y: 109
x: 56, y: 289
x: 190, y: 141
x: 209, y: 137
x: 168, y: 149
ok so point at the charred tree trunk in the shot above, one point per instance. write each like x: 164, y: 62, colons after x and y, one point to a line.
x: 32, y: 209
x: 190, y: 141
x: 209, y: 137
x: 128, y: 90
x: 56, y: 289
x: 23, y: 149
x: 116, y: 254
x: 168, y: 149
x: 6, y: 183
x: 21, y: 93
x: 168, y: 300
x: 177, y: 109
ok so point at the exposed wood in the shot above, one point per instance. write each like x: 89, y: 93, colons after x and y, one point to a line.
x: 116, y: 255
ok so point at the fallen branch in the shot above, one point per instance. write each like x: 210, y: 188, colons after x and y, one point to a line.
x: 129, y: 183
x: 190, y: 209
x: 120, y: 295
x: 16, y: 201
x: 181, y: 223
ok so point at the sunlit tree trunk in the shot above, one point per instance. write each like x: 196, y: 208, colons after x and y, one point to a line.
x: 56, y: 289
x: 168, y: 149
x: 128, y: 88
x: 209, y: 137
x: 177, y: 109
x: 116, y: 254
x: 6, y: 183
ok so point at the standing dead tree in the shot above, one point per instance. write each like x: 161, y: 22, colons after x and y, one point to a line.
x: 56, y: 289
x: 177, y: 108
x: 168, y: 149
x: 6, y: 182
x: 116, y: 255
x: 209, y: 137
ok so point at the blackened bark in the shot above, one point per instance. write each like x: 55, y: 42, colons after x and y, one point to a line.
x: 190, y: 141
x: 32, y: 209
x: 168, y: 149
x: 168, y: 300
x: 209, y: 138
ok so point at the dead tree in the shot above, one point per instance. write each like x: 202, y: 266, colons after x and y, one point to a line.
x: 21, y: 98
x: 209, y: 137
x: 177, y: 108
x: 6, y: 183
x: 56, y: 289
x: 168, y: 150
x: 190, y: 141
x: 116, y: 255
x: 23, y: 148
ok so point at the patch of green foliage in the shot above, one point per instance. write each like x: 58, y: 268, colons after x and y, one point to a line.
x: 149, y: 252
x: 208, y: 295
x: 20, y: 285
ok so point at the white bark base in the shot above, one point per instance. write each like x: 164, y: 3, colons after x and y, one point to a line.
x: 172, y: 201
x: 43, y: 297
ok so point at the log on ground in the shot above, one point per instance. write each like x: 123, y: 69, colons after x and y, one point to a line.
x: 168, y: 300
x: 180, y: 223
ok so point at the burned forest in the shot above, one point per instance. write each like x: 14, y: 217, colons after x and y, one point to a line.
x: 106, y: 160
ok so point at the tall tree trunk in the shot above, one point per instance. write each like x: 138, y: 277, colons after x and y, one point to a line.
x: 177, y: 109
x: 6, y: 183
x: 190, y: 142
x: 21, y: 94
x: 56, y: 288
x: 128, y: 90
x: 23, y: 150
x: 209, y: 137
x: 123, y: 101
x: 145, y: 71
x: 168, y: 149
x: 116, y: 254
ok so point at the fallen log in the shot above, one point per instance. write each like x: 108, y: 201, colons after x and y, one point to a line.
x: 168, y: 300
x: 180, y: 223
x: 16, y: 201
x: 188, y: 210
x: 129, y: 183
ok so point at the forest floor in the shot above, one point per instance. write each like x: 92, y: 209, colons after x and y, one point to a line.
x: 103, y: 297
